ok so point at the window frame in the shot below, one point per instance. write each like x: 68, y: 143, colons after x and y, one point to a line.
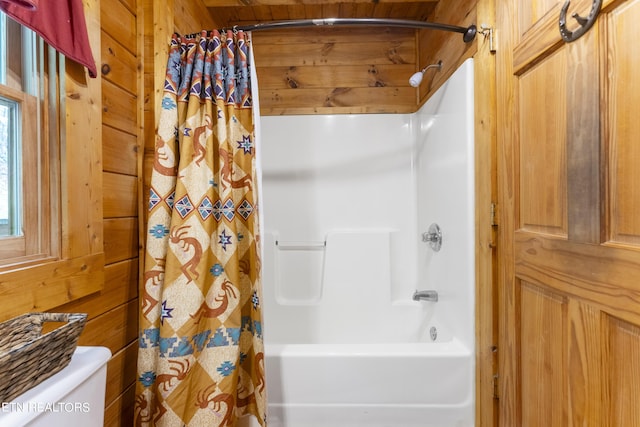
x: 74, y: 265
x: 23, y: 88
x: 28, y: 242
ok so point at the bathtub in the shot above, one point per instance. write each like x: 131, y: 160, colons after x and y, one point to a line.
x: 370, y: 385
x: 343, y: 351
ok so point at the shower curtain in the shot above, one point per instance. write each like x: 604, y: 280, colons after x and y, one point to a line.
x: 201, y: 360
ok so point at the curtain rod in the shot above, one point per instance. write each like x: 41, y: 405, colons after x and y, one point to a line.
x: 468, y: 33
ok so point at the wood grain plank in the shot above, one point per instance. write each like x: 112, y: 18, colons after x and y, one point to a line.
x: 623, y: 369
x: 119, y: 108
x: 507, y: 146
x: 321, y: 35
x: 121, y: 372
x: 226, y: 3
x: 230, y: 3
x: 537, y: 40
x: 119, y: 151
x: 120, y: 413
x: 486, y: 292
x: 49, y: 285
x: 336, y: 54
x: 543, y: 319
x: 120, y: 23
x: 352, y: 76
x: 114, y: 329
x: 624, y: 127
x: 81, y: 179
x: 121, y: 63
x: 606, y: 276
x: 381, y: 99
x: 120, y: 287
x: 583, y: 140
x: 121, y: 239
x: 584, y: 365
x: 120, y: 195
x: 364, y: 109
x: 188, y: 17
x: 131, y: 5
x: 543, y: 171
x: 435, y: 46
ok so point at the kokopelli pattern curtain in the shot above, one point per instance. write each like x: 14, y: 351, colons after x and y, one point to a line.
x: 201, y: 360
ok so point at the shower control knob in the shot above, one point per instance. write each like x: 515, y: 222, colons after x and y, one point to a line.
x: 433, y: 237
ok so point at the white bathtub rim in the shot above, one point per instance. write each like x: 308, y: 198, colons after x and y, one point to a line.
x: 453, y: 348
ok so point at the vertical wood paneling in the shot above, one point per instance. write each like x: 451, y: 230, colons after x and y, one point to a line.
x: 624, y: 150
x: 82, y: 141
x: 485, y: 195
x: 543, y: 172
x: 583, y: 140
x: 584, y: 364
x: 623, y: 369
x: 543, y: 319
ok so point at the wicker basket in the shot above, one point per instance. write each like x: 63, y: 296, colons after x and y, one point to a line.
x: 27, y: 357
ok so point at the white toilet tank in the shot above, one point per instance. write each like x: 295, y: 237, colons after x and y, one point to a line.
x: 72, y: 397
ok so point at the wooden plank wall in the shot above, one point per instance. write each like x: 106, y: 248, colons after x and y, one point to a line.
x: 434, y: 46
x: 113, y: 312
x: 335, y: 70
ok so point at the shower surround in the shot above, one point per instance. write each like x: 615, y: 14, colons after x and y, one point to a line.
x: 345, y: 202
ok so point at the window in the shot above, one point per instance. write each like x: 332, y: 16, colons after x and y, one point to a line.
x: 52, y: 253
x: 10, y: 189
x: 28, y: 114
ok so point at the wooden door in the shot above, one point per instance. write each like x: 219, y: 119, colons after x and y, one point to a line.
x: 569, y: 216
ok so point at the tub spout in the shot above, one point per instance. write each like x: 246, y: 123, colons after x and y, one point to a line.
x: 425, y: 296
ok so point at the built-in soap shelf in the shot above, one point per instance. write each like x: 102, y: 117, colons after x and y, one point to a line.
x: 301, y: 246
x: 299, y: 269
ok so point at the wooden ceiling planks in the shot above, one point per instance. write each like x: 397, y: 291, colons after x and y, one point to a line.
x: 246, y: 12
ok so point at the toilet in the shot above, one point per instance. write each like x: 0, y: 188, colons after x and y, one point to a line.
x: 72, y: 397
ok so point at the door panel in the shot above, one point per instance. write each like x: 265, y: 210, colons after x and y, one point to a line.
x: 542, y: 316
x: 624, y: 365
x: 542, y: 147
x: 583, y: 364
x: 624, y: 151
x: 569, y: 201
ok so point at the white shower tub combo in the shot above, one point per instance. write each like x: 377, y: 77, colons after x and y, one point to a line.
x: 346, y: 346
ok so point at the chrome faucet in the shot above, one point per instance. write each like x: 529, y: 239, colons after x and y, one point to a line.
x: 425, y: 296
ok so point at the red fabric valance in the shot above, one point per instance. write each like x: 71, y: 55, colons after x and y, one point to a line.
x: 60, y: 23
